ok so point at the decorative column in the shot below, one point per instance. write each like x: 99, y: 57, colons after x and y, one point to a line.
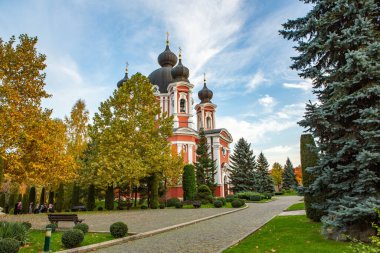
x: 190, y: 153
x: 213, y: 119
x: 175, y: 111
x: 190, y: 109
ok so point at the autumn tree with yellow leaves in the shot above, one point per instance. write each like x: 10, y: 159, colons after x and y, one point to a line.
x: 130, y: 139
x: 32, y: 144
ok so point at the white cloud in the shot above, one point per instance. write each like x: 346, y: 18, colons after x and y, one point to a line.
x: 267, y: 101
x: 303, y: 85
x: 294, y: 111
x: 256, y: 80
x: 281, y: 152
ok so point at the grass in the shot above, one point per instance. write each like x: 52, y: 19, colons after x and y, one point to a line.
x: 298, y: 206
x: 261, y: 201
x: 289, y: 234
x: 37, y: 238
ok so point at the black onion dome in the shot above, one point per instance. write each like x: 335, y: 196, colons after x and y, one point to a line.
x: 167, y: 58
x: 125, y: 78
x: 180, y: 72
x: 205, y: 95
x: 161, y: 77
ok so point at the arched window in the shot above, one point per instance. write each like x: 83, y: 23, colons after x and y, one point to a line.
x: 208, y: 122
x: 182, y: 105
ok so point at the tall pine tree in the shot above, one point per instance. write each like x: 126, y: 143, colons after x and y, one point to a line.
x: 339, y: 49
x: 288, y: 178
x: 242, y: 169
x: 205, y: 165
x: 264, y: 180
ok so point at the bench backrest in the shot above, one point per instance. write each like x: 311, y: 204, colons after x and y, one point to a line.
x: 62, y: 216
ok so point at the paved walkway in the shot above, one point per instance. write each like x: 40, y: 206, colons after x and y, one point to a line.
x: 290, y: 213
x: 138, y: 220
x: 211, y: 235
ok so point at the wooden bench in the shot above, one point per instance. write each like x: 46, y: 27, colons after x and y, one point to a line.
x: 55, y: 218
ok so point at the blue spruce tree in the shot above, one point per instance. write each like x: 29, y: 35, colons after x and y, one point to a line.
x: 339, y: 49
x: 243, y: 166
x: 289, y: 178
x: 264, y: 183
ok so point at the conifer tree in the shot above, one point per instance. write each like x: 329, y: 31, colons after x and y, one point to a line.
x: 91, y: 198
x: 189, y: 183
x: 32, y: 195
x: 2, y: 200
x: 43, y: 196
x: 205, y: 165
x: 59, y: 197
x: 289, y: 179
x: 264, y: 180
x: 243, y: 166
x: 25, y: 202
x: 76, y: 195
x: 339, y: 49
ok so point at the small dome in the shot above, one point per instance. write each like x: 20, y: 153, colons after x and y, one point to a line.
x: 205, y: 95
x: 125, y: 78
x: 167, y: 58
x: 180, y: 72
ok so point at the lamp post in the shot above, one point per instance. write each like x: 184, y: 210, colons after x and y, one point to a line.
x: 47, y: 240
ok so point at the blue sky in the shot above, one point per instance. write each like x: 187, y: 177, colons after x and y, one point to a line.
x: 235, y: 42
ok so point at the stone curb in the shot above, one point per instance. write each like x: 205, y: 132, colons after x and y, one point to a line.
x: 105, y: 244
x: 245, y: 236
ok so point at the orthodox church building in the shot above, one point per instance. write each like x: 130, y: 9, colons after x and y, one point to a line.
x: 174, y: 91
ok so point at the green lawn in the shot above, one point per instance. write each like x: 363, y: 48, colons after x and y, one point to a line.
x: 37, y: 238
x: 298, y: 206
x: 289, y: 234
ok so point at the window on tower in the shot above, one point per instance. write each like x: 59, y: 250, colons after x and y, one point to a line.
x: 182, y: 105
x: 208, y: 122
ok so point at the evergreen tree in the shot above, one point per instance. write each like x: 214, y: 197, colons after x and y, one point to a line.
x: 2, y: 200
x: 32, y: 196
x: 51, y: 197
x: 76, y: 195
x: 189, y: 183
x: 205, y: 165
x: 110, y: 197
x: 59, y: 198
x: 43, y: 196
x: 288, y: 178
x: 264, y: 180
x: 243, y: 167
x: 339, y: 49
x: 309, y: 159
x: 11, y: 201
x: 25, y: 202
x: 91, y: 198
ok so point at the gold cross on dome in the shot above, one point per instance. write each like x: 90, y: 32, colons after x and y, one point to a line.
x: 180, y: 53
x: 204, y: 77
x: 126, y: 67
x: 167, y: 38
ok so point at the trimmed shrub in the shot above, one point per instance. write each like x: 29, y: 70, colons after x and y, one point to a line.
x: 72, y: 238
x: 162, y: 206
x: 237, y: 203
x: 82, y: 226
x: 178, y: 205
x: 248, y: 194
x: 189, y: 184
x: 278, y: 193
x: 255, y: 198
x: 119, y: 229
x: 9, y: 245
x: 171, y: 202
x: 230, y: 198
x: 223, y: 200
x: 53, y: 227
x: 204, y: 194
x: 267, y: 195
x: 109, y: 198
x: 51, y: 197
x: 91, y: 198
x: 100, y: 208
x: 218, y: 203
x: 15, y: 230
x: 144, y: 207
x: 27, y: 224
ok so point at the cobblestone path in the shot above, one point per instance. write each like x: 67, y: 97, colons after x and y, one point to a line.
x: 137, y: 220
x: 211, y: 235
